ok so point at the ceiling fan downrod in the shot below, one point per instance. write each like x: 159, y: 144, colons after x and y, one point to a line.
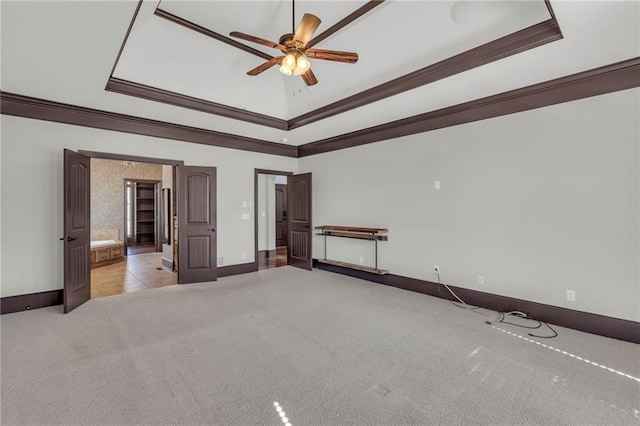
x: 293, y: 16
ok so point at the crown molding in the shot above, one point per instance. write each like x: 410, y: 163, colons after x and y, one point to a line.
x: 610, y: 78
x: 138, y: 90
x: 520, y: 41
x: 368, y: 6
x: 607, y: 79
x: 205, y: 31
x: 40, y: 109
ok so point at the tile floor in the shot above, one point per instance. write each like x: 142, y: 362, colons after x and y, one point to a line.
x: 136, y: 273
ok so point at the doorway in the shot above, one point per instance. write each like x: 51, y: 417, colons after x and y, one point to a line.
x: 194, y: 215
x: 142, y: 215
x: 271, y: 219
x: 294, y: 226
x: 127, y: 250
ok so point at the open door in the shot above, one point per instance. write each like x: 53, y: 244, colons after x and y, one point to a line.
x: 281, y: 215
x: 197, y: 242
x: 77, y: 230
x: 299, y: 221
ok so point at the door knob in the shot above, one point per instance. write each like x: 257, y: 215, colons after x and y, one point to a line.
x: 213, y: 230
x: 72, y: 238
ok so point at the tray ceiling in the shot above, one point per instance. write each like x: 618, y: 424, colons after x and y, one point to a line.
x: 391, y: 40
x: 65, y: 51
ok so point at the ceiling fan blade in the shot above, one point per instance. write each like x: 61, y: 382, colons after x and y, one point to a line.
x: 309, y: 78
x: 258, y: 40
x: 332, y: 55
x: 307, y: 27
x: 266, y: 65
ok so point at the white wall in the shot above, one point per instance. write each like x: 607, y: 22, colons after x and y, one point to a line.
x: 31, y: 195
x: 266, y: 212
x: 537, y: 202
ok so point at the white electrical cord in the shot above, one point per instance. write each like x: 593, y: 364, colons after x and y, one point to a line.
x: 465, y: 305
x: 450, y: 291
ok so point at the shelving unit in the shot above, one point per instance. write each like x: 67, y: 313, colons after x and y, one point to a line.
x: 369, y: 234
x: 145, y: 212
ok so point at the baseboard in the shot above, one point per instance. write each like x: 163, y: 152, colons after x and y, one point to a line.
x: 167, y: 264
x: 578, y: 320
x: 243, y: 268
x: 26, y: 302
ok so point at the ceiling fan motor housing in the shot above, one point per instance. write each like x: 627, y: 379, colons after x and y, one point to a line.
x: 286, y: 38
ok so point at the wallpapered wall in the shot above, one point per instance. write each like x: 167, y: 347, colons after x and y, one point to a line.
x: 107, y: 190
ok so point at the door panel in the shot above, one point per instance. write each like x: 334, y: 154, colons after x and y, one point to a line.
x: 197, y: 223
x: 299, y: 221
x: 198, y: 252
x: 77, y: 229
x: 281, y: 215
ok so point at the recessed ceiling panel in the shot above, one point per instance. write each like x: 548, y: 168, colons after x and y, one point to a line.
x: 392, y: 40
x: 404, y: 36
x: 162, y: 54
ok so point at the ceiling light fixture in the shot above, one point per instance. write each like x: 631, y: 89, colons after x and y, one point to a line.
x: 296, y: 51
x: 295, y: 63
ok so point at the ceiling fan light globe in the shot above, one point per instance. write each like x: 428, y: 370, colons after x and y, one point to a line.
x: 302, y: 65
x: 289, y: 61
x: 288, y: 64
x: 285, y: 70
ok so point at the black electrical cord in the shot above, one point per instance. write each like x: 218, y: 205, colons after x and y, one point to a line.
x: 527, y: 317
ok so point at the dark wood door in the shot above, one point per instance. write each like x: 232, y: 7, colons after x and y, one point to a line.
x: 77, y: 230
x: 299, y: 221
x: 197, y: 224
x: 281, y: 215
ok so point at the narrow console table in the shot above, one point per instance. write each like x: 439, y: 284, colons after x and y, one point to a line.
x: 370, y: 234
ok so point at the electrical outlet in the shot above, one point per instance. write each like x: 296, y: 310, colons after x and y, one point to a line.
x: 244, y: 256
x: 361, y: 259
x: 436, y: 184
x: 220, y: 261
x: 571, y: 295
x: 480, y: 280
x: 436, y: 269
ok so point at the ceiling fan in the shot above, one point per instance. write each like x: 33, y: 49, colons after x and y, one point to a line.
x: 295, y: 49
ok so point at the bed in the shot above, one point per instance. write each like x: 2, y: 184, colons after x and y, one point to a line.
x: 106, y: 247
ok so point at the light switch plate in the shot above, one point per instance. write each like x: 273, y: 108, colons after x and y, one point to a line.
x: 244, y: 216
x: 437, y: 184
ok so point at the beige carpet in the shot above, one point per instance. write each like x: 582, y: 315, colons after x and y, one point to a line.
x: 329, y: 349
